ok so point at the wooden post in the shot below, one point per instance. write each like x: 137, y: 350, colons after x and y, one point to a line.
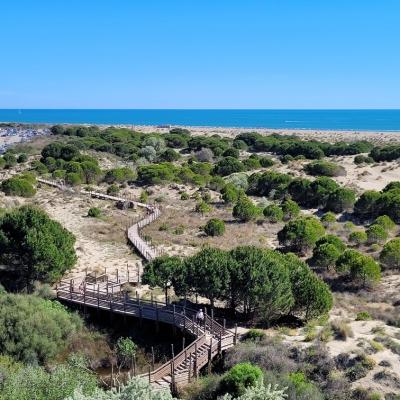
x: 149, y: 374
x: 235, y: 338
x: 220, y: 344
x: 183, y: 343
x: 125, y: 309
x: 195, y: 361
x: 71, y: 288
x: 117, y: 276
x: 98, y: 297
x: 157, y: 320
x: 84, y: 300
x: 205, y: 318
x: 209, y: 357
x: 174, y: 320
x: 172, y: 369
x: 224, y: 323
x: 152, y: 357
x: 190, y: 367
x: 212, y: 320
x: 134, y: 365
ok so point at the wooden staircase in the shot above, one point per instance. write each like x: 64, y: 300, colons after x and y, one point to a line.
x: 210, y: 337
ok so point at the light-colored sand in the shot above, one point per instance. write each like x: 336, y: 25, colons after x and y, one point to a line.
x: 324, y: 135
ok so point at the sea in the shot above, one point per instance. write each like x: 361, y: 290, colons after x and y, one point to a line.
x: 352, y: 120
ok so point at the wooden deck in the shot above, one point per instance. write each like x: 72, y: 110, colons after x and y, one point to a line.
x: 210, y: 337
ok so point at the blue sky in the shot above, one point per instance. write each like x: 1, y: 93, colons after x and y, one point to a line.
x: 200, y: 54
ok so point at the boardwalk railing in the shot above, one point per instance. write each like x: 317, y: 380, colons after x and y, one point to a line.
x: 211, y: 337
x: 147, y: 251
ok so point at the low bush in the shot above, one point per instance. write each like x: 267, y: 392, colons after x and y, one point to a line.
x: 214, y: 227
x: 94, y: 212
x: 19, y: 185
x: 341, y: 329
x: 363, y: 316
x: 324, y: 168
x: 361, y: 159
x: 273, y: 213
x: 240, y: 377
x: 254, y: 335
x: 358, y: 237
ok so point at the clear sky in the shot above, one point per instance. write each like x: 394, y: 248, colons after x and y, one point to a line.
x: 200, y: 54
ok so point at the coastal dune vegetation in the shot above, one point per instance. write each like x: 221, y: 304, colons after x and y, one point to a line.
x: 315, y: 251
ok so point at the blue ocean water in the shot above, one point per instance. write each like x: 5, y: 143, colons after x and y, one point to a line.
x: 355, y: 120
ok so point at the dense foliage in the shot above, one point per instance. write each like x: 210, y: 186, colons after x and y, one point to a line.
x: 19, y: 185
x: 300, y: 235
x: 214, y: 227
x: 34, y: 330
x: 324, y: 168
x: 34, y: 246
x: 264, y: 284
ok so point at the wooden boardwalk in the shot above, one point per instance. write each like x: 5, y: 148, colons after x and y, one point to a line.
x: 210, y: 337
x: 146, y: 250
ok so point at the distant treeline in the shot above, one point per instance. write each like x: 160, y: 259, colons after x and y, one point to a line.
x: 127, y: 143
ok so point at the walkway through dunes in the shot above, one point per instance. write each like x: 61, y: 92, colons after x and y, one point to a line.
x: 103, y: 293
x: 145, y: 249
x: 210, y: 337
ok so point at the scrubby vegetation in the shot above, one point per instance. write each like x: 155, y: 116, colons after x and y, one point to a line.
x: 34, y: 247
x: 342, y: 239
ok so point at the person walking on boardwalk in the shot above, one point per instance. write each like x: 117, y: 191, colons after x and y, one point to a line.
x: 200, y: 316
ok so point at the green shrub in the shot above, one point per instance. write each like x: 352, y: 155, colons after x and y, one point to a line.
x: 385, y: 222
x: 273, y: 213
x: 363, y: 316
x: 112, y: 190
x: 244, y: 209
x: 360, y: 267
x: 154, y: 174
x: 229, y: 193
x: 360, y: 159
x: 119, y: 175
x: 358, y: 237
x: 254, y: 335
x: 214, y: 227
x: 390, y: 255
x: 22, y: 158
x: 10, y: 160
x: 324, y: 168
x: 40, y: 248
x: 73, y: 178
x: 325, y: 255
x: 41, y: 328
x: 228, y: 166
x: 290, y: 209
x: 328, y: 219
x: 240, y: 377
x: 203, y: 207
x: 340, y: 200
x: 94, y: 212
x: 301, y: 235
x: 144, y: 197
x: 18, y: 186
x: 185, y: 196
x: 376, y: 234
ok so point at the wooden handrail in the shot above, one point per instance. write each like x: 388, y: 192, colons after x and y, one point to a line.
x: 210, y: 337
